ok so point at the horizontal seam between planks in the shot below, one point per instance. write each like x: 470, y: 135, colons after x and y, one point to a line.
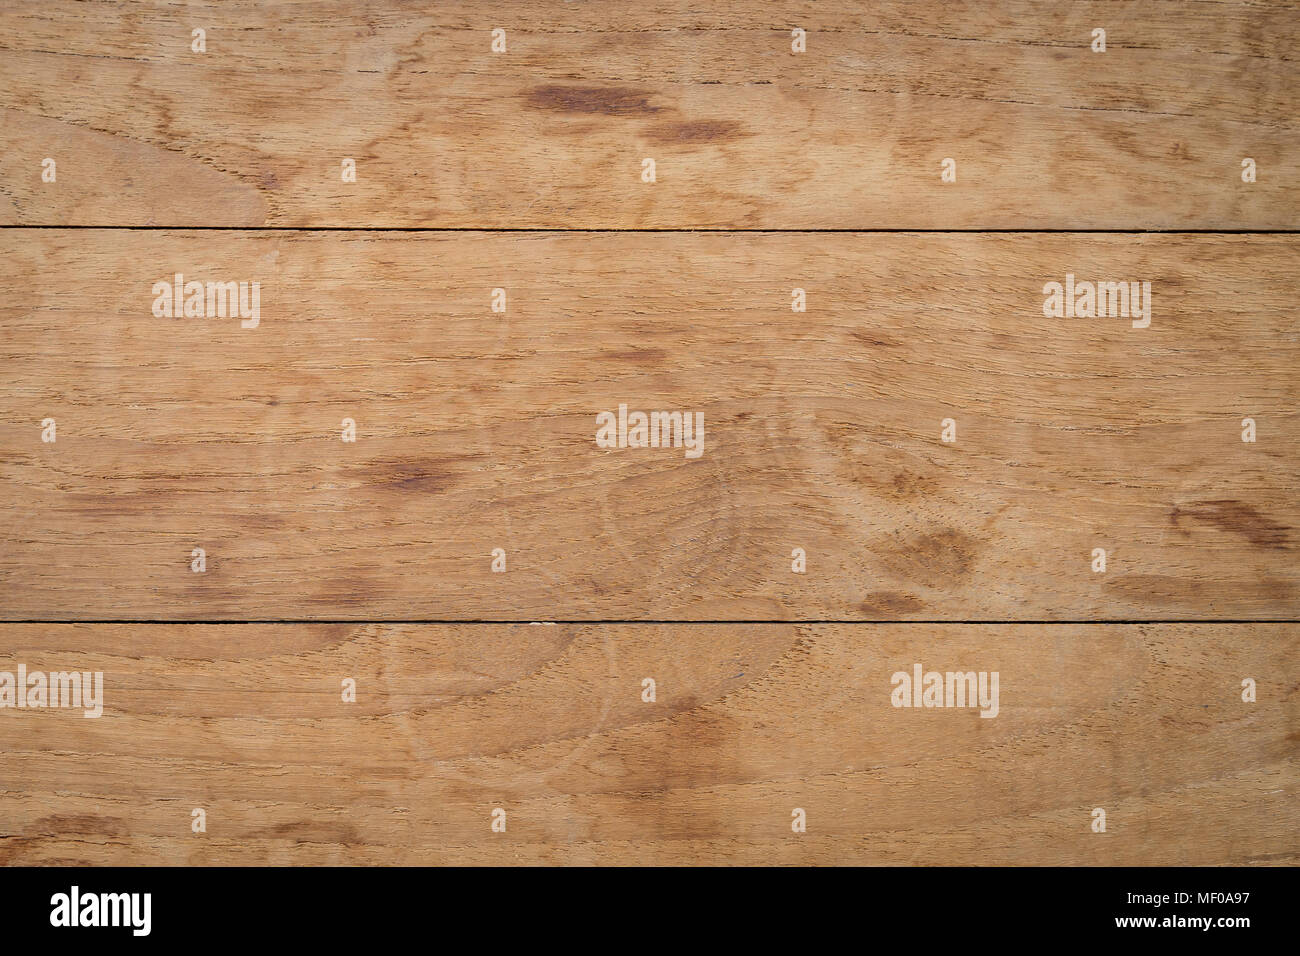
x: 665, y: 229
x: 372, y: 620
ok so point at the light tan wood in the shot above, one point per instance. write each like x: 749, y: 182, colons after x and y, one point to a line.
x: 851, y: 134
x: 749, y: 722
x: 477, y: 430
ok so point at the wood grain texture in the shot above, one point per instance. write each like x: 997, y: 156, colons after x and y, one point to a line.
x: 750, y: 721
x: 477, y: 430
x: 851, y: 134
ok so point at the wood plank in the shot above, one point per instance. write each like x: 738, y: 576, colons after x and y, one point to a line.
x: 246, y: 722
x: 477, y: 431
x: 851, y: 134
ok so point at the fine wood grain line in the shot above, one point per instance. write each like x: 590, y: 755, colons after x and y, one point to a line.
x: 476, y: 430
x: 851, y: 134
x: 750, y: 721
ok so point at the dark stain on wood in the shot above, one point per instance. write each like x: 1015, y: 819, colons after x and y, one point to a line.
x: 909, y: 485
x: 931, y: 559
x: 607, y: 101
x: 1236, y: 517
x: 408, y: 476
x: 83, y: 824
x: 950, y: 551
x: 697, y: 131
x: 314, y: 831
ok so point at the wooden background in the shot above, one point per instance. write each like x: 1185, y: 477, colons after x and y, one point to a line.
x: 751, y: 721
x: 849, y: 135
x: 774, y: 171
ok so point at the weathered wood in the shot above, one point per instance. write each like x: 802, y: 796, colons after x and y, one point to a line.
x: 477, y: 430
x: 749, y: 722
x: 1045, y: 132
x: 131, y: 436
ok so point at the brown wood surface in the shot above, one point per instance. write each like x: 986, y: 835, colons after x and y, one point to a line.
x: 1045, y: 132
x: 477, y: 430
x: 522, y: 171
x: 750, y: 722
